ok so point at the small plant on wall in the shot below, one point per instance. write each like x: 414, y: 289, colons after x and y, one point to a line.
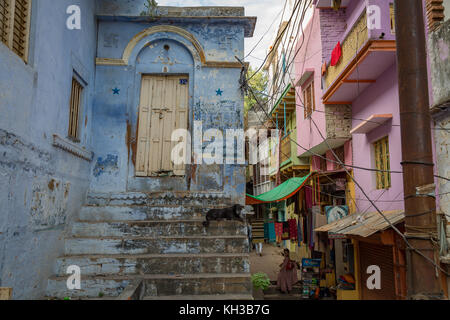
x: 261, y: 281
x: 151, y: 6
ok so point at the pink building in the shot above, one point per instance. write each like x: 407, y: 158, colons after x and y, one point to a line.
x: 355, y: 105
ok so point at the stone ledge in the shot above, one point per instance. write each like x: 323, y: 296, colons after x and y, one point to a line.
x: 72, y: 148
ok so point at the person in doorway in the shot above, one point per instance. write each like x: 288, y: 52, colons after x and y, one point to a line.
x: 287, y: 277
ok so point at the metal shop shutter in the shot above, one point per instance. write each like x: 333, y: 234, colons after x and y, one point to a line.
x: 382, y: 256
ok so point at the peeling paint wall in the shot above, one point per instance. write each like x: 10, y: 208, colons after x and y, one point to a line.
x: 41, y: 187
x: 116, y: 113
x: 439, y: 54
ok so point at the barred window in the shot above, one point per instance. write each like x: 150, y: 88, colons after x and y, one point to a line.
x: 382, y: 163
x: 392, y: 15
x: 15, y: 25
x: 308, y: 100
x: 75, y: 109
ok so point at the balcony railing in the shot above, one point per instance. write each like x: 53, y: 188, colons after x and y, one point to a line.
x: 354, y: 41
x: 285, y: 149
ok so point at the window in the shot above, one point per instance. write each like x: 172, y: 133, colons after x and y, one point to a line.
x: 392, y: 13
x: 382, y: 162
x: 74, y: 111
x: 15, y: 25
x: 308, y: 100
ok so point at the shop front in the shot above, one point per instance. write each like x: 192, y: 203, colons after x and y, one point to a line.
x: 375, y: 256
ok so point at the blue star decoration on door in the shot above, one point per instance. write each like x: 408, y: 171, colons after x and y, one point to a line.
x: 219, y: 92
x: 116, y: 91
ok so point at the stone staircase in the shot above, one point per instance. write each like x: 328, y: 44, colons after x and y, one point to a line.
x: 158, y: 239
x: 272, y: 293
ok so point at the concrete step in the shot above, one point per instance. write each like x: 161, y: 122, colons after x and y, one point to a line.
x: 155, y: 264
x: 158, y: 199
x: 158, y: 245
x: 157, y: 228
x: 297, y: 289
x: 220, y: 297
x: 155, y: 285
x: 142, y: 213
x: 281, y: 296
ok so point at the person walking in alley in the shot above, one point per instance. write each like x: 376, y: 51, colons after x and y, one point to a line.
x: 287, y: 276
x: 258, y: 235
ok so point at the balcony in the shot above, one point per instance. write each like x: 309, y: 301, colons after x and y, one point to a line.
x: 285, y: 149
x: 366, y: 54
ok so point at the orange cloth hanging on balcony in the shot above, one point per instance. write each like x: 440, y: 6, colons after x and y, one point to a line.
x: 336, y: 54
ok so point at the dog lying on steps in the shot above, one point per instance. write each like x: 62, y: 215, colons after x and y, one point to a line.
x: 231, y: 213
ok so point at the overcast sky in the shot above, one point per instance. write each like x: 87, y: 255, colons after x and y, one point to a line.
x: 265, y: 10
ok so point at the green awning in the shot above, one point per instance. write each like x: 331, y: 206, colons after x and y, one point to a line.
x: 282, y: 192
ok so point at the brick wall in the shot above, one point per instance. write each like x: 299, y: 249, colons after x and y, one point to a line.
x: 338, y: 121
x: 332, y: 26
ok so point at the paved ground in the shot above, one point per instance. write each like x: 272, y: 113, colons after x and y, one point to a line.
x: 269, y: 262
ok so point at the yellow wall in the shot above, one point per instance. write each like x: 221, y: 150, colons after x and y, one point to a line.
x: 350, y: 194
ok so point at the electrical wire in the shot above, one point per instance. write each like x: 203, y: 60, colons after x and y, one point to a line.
x: 356, y: 183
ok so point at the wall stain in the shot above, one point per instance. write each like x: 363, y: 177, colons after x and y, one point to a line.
x: 108, y: 165
x: 131, y: 142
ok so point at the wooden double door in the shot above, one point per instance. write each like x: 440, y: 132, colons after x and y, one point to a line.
x: 164, y: 108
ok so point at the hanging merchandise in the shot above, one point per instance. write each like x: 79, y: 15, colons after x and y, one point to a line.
x: 271, y: 230
x: 278, y: 231
x: 285, y: 235
x: 299, y: 230
x: 305, y: 229
x: 319, y: 218
x: 311, y: 230
x: 308, y: 197
x: 293, y: 232
x: 336, y: 54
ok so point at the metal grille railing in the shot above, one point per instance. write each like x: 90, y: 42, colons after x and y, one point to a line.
x: 4, y: 20
x: 20, y: 27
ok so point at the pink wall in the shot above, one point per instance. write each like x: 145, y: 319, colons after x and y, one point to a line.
x: 310, y: 57
x: 379, y: 98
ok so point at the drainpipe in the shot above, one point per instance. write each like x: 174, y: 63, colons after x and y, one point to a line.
x: 423, y: 277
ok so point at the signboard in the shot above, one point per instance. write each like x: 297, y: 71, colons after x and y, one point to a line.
x: 336, y: 213
x: 311, y: 263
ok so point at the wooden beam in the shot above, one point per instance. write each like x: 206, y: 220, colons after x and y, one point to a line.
x: 359, y: 81
x: 337, y: 102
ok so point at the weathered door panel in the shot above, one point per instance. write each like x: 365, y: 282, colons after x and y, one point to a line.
x: 156, y: 127
x: 168, y: 120
x: 181, y: 119
x: 167, y: 101
x: 143, y: 141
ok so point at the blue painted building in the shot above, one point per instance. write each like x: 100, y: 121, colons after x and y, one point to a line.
x: 76, y: 106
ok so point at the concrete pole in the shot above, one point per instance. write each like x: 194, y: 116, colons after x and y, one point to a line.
x: 422, y: 277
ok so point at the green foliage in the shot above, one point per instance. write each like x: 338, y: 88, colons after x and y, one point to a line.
x: 260, y: 281
x: 258, y: 84
x: 151, y: 7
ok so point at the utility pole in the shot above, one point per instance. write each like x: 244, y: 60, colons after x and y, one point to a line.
x: 420, y: 210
